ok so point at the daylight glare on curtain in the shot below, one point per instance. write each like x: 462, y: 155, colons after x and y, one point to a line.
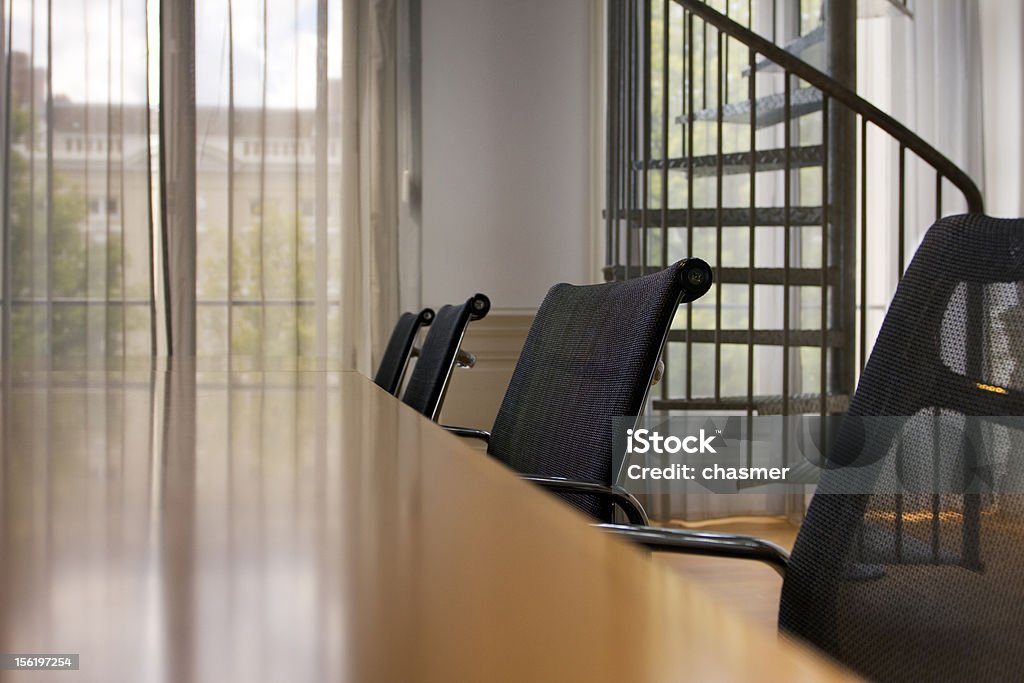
x: 77, y: 210
x: 268, y: 126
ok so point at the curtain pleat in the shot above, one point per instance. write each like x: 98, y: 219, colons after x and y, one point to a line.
x: 178, y: 170
x: 369, y: 181
x: 5, y: 186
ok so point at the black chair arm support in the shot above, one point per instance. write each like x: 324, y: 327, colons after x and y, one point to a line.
x: 618, y: 495
x: 463, y: 358
x: 709, y: 543
x: 469, y: 432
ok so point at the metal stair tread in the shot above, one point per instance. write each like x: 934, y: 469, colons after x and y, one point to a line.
x: 800, y: 404
x: 797, y: 277
x: 809, y: 47
x: 730, y: 217
x: 771, y: 109
x: 797, y: 338
x: 734, y: 163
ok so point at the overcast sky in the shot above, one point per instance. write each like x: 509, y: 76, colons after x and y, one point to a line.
x: 87, y: 49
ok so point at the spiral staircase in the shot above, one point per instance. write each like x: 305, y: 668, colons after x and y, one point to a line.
x: 734, y: 134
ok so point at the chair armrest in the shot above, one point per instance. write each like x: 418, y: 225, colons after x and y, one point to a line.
x: 463, y: 358
x: 618, y: 495
x: 707, y: 543
x: 469, y: 432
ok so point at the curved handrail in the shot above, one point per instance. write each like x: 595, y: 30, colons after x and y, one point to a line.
x: 836, y: 90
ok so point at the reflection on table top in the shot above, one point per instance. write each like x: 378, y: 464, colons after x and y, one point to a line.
x: 175, y: 526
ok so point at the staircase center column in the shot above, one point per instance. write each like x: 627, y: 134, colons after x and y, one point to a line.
x: 841, y: 64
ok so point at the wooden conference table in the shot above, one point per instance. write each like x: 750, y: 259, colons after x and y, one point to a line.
x: 200, y: 525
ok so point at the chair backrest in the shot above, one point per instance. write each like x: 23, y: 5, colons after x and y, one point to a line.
x: 396, y: 355
x: 928, y: 586
x: 428, y: 382
x: 589, y: 357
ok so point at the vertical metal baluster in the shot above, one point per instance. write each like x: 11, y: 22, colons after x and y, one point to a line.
x: 665, y: 54
x: 936, y: 456
x: 786, y: 241
x: 971, y: 532
x: 614, y: 118
x: 901, y: 236
x: 704, y: 65
x: 751, y: 231
x: 621, y: 168
x: 645, y: 181
x: 823, y: 368
x: 899, y: 514
x: 751, y: 248
x: 724, y: 56
x: 720, y: 104
x: 620, y: 76
x: 610, y: 164
x: 863, y: 242
x: 630, y: 199
x: 691, y: 122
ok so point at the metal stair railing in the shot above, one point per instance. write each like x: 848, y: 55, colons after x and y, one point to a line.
x: 644, y: 208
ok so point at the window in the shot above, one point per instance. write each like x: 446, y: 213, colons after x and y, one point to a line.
x: 259, y: 288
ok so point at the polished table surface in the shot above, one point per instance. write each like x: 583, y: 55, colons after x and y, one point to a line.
x: 291, y: 526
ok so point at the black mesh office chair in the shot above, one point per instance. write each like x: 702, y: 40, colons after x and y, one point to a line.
x: 589, y: 357
x: 921, y: 586
x: 429, y: 379
x: 399, y: 349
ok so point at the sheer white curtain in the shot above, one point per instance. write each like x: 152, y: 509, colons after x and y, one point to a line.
x: 214, y: 178
x: 370, y: 284
x: 926, y: 71
x: 77, y: 210
x: 1002, y: 56
x: 954, y: 74
x: 296, y: 192
x: 958, y: 82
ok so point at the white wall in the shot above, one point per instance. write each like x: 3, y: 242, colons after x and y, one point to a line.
x: 505, y: 177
